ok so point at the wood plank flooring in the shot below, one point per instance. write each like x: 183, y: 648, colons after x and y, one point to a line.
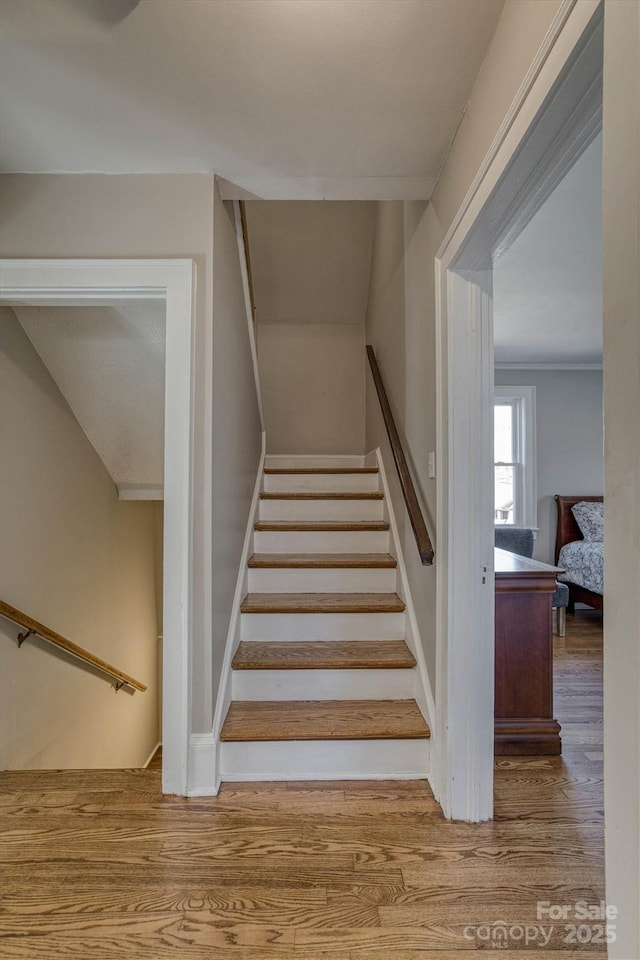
x: 309, y: 495
x: 323, y: 655
x: 323, y: 470
x: 322, y: 603
x: 324, y: 720
x: 98, y: 865
x: 304, y: 526
x: 321, y: 561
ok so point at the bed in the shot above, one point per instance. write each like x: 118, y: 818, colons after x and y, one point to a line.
x: 582, y: 560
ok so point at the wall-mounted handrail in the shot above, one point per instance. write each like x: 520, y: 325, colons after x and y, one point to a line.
x: 247, y: 255
x: 423, y: 541
x: 33, y: 627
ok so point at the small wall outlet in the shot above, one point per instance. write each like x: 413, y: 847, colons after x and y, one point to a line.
x: 432, y: 465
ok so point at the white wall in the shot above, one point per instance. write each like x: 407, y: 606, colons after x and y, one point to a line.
x: 621, y: 218
x: 236, y: 426
x: 401, y: 293
x: 110, y: 358
x: 163, y: 216
x: 401, y: 314
x: 570, y: 452
x: 83, y: 563
x: 134, y: 216
x: 310, y: 260
x: 313, y: 387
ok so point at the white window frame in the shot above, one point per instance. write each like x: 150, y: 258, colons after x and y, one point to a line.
x: 523, y: 401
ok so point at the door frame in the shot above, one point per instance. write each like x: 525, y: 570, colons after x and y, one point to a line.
x: 105, y: 282
x: 553, y: 118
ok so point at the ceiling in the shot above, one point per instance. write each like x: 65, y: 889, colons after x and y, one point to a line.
x: 547, y: 287
x: 311, y: 261
x: 287, y: 99
x: 108, y: 363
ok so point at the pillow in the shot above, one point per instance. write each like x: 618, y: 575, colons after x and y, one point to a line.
x: 590, y: 519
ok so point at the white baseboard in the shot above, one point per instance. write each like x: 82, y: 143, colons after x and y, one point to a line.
x: 362, y: 684
x: 280, y: 627
x: 298, y: 461
x: 233, y: 636
x: 151, y: 755
x: 424, y: 692
x: 202, y: 766
x: 312, y: 580
x: 317, y: 482
x: 325, y: 760
x: 311, y: 510
x: 322, y: 541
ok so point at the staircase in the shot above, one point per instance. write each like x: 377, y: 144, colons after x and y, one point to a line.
x: 323, y: 680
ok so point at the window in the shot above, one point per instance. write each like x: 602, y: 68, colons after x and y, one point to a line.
x: 515, y: 456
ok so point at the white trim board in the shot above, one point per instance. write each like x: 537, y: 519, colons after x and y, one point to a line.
x: 554, y: 54
x: 99, y: 282
x: 288, y: 760
x: 464, y: 392
x: 210, y: 777
x: 295, y: 461
x: 424, y: 691
x: 202, y: 763
x: 152, y: 755
x: 464, y: 558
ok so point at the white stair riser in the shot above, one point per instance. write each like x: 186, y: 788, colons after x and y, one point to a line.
x: 283, y: 462
x: 321, y: 541
x: 324, y: 684
x: 322, y: 626
x: 325, y: 760
x: 341, y: 580
x: 321, y: 509
x: 321, y: 482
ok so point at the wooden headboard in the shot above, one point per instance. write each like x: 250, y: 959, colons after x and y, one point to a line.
x: 567, y: 529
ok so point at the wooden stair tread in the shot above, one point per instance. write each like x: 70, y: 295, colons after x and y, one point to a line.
x: 324, y: 720
x: 308, y: 526
x: 322, y: 603
x: 304, y: 471
x: 321, y: 495
x: 323, y: 655
x: 320, y: 561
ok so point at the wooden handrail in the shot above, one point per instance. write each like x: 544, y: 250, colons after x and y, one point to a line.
x: 420, y: 532
x: 247, y: 256
x: 33, y: 627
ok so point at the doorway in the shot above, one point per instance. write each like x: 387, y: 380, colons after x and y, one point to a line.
x: 82, y: 283
x: 557, y: 117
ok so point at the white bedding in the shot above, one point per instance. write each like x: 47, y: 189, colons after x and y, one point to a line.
x: 583, y: 563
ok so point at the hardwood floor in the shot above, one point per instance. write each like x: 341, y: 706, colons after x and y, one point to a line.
x: 324, y: 720
x: 343, y: 495
x: 97, y: 865
x: 324, y: 655
x: 322, y: 603
x: 321, y: 561
x: 316, y: 470
x: 310, y: 526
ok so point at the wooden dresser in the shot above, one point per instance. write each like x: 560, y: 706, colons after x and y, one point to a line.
x: 524, y: 722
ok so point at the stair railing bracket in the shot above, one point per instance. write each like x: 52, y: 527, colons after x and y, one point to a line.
x: 25, y: 636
